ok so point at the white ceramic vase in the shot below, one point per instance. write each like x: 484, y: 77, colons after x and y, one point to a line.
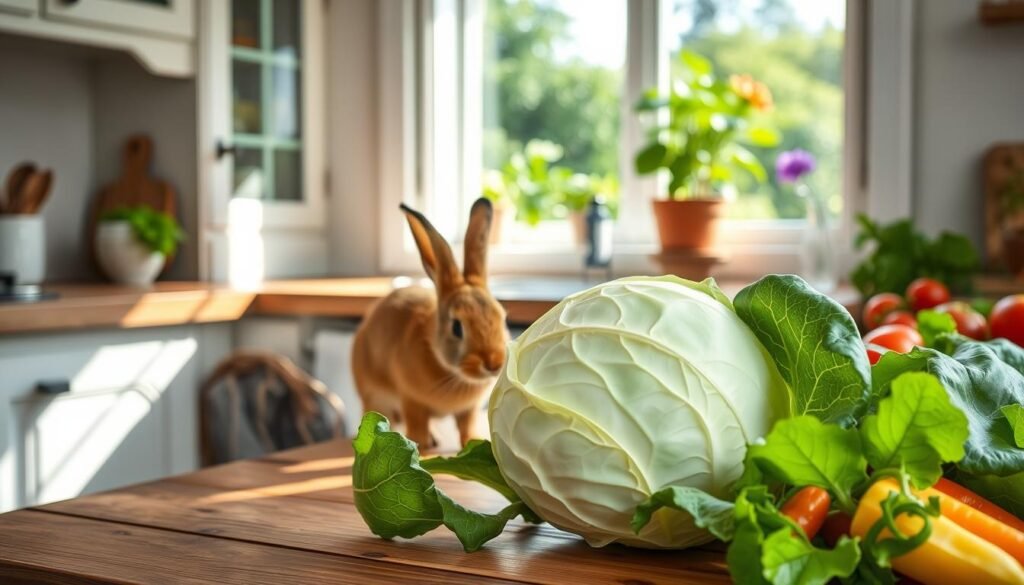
x: 23, y: 248
x: 123, y: 258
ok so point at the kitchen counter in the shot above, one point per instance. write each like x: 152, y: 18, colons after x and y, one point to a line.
x: 83, y: 306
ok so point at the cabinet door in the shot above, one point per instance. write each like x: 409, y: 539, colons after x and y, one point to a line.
x: 262, y: 93
x: 164, y: 17
x: 129, y: 414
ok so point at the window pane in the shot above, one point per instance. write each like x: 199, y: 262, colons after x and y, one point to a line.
x: 247, y: 105
x: 287, y: 175
x: 245, y: 23
x: 286, y: 102
x: 286, y: 27
x: 249, y: 179
x: 795, y: 47
x: 553, y: 76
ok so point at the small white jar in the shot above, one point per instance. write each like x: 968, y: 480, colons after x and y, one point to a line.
x: 23, y: 248
x: 123, y: 258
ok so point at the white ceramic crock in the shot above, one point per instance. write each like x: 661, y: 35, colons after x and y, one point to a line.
x: 123, y: 258
x: 23, y: 248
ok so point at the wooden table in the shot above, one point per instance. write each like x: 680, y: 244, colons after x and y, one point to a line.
x: 289, y: 518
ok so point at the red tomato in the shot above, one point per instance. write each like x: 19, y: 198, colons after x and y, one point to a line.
x: 900, y: 318
x: 836, y: 526
x: 968, y: 321
x: 898, y: 338
x: 879, y: 306
x: 808, y: 508
x: 925, y: 293
x: 875, y: 353
x: 1007, y: 319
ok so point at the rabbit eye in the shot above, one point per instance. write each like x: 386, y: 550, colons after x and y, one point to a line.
x: 457, y: 328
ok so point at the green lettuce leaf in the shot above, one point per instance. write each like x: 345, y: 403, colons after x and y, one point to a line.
x: 396, y: 496
x: 791, y: 561
x: 916, y: 427
x: 814, y: 342
x: 804, y: 451
x: 932, y: 325
x: 710, y: 513
x: 1014, y: 414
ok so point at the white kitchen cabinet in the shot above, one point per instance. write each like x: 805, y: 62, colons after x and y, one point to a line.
x: 128, y: 416
x: 172, y: 18
x: 261, y: 137
x: 23, y: 7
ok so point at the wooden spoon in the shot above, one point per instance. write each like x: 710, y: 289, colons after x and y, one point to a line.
x: 15, y: 182
x: 35, y: 190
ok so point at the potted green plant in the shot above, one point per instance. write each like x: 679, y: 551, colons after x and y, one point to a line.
x: 134, y: 243
x: 526, y: 187
x: 701, y: 142
x: 578, y: 190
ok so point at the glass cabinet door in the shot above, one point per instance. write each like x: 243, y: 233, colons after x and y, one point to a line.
x: 266, y: 99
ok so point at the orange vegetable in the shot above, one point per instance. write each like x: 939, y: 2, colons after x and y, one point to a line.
x: 959, y: 492
x: 978, y: 522
x: 808, y: 508
x: 952, y: 555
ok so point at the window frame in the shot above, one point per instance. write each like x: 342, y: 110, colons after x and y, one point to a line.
x: 410, y: 96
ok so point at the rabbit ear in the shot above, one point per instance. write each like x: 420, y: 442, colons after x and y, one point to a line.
x: 477, y: 235
x: 435, y: 254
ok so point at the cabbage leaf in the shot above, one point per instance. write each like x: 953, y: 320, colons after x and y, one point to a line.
x: 815, y: 344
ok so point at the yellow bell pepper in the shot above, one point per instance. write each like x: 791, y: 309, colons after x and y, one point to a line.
x: 952, y: 555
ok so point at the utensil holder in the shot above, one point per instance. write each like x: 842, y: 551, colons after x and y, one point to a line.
x: 23, y: 248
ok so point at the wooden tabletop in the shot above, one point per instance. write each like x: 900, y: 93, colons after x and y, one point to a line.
x: 80, y: 306
x: 290, y: 518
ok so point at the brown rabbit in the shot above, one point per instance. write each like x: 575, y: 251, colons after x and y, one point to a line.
x: 425, y: 353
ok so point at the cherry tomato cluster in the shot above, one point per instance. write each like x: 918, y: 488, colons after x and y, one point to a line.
x: 892, y: 323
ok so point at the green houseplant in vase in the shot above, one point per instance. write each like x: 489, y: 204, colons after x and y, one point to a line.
x: 133, y: 244
x: 699, y: 134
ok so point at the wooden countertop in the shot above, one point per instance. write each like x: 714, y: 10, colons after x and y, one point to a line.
x: 290, y: 518
x: 178, y: 303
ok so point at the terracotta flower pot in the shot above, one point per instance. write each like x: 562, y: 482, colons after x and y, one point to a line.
x: 688, y: 224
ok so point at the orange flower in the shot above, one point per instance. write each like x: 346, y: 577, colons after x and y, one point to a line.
x: 755, y: 92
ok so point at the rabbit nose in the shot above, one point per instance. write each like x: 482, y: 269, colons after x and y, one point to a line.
x: 494, y: 360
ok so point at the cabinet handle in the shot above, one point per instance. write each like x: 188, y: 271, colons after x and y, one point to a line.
x: 223, y: 149
x: 53, y: 387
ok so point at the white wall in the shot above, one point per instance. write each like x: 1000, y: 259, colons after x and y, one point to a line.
x: 353, y: 203
x: 969, y: 93
x: 46, y: 105
x: 70, y: 109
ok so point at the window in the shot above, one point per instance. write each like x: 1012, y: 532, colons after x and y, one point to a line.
x: 552, y: 84
x: 530, y: 103
x: 795, y: 47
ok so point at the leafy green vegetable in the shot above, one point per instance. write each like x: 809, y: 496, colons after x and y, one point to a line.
x: 902, y: 254
x: 916, y: 427
x: 804, y: 451
x: 932, y: 325
x: 814, y: 342
x: 1014, y: 414
x: 158, y: 231
x: 789, y: 560
x: 396, y: 496
x: 708, y: 511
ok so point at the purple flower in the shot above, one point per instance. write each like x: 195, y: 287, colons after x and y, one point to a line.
x: 793, y: 164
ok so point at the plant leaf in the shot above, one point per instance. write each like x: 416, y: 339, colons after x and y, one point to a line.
x: 804, y: 451
x: 916, y: 427
x: 710, y: 513
x: 792, y: 561
x: 932, y: 325
x: 396, y: 496
x: 814, y: 342
x: 651, y: 158
x: 1014, y: 414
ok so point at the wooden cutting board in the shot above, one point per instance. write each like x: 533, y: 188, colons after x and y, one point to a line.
x: 134, y: 187
x: 1003, y: 163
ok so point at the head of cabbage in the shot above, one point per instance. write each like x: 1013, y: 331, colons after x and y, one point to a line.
x: 627, y: 388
